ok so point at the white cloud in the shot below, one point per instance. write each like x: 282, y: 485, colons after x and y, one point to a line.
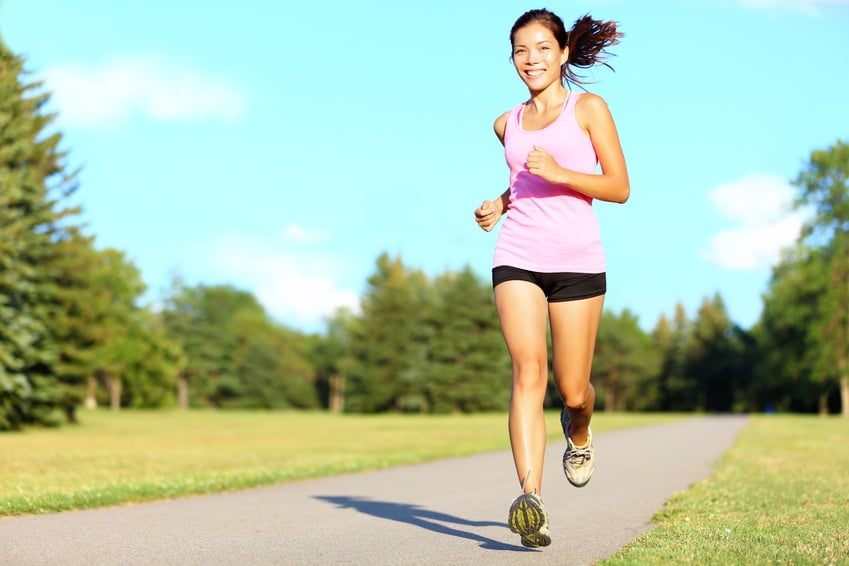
x: 811, y: 7
x: 298, y: 287
x: 761, y: 206
x: 108, y: 95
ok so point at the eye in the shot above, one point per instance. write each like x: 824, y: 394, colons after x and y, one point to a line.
x: 518, y: 52
x: 545, y: 48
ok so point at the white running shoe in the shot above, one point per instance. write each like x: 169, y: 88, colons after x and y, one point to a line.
x: 578, y: 463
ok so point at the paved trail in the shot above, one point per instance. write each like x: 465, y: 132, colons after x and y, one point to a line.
x: 450, y: 512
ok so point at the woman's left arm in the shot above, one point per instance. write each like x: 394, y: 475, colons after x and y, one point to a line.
x: 612, y: 185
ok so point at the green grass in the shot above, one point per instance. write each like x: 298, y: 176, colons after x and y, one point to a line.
x: 779, y: 496
x: 132, y: 456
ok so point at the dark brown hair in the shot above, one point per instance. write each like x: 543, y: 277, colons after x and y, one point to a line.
x: 587, y: 41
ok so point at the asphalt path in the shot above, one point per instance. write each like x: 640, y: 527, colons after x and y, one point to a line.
x: 447, y: 512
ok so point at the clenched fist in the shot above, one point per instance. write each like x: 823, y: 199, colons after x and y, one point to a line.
x: 487, y: 215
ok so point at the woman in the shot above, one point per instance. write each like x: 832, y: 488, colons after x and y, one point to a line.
x: 549, y: 262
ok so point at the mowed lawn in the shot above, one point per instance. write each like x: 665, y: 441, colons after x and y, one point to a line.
x: 779, y: 496
x: 131, y: 456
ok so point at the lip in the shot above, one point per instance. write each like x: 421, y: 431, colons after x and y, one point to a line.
x: 535, y: 73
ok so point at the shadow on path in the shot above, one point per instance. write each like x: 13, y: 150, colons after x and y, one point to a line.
x: 421, y: 517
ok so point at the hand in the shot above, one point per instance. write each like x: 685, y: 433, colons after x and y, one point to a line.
x: 542, y: 164
x: 487, y: 215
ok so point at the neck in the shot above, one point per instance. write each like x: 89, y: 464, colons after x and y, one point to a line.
x: 553, y: 96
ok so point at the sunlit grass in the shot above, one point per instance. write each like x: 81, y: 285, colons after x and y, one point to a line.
x: 780, y: 496
x: 114, y: 458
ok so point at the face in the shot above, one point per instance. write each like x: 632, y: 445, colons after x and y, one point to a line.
x: 537, y: 56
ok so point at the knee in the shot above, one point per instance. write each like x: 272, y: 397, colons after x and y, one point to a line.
x: 530, y: 374
x: 579, y: 400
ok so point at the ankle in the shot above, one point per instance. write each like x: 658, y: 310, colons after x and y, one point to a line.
x: 580, y: 438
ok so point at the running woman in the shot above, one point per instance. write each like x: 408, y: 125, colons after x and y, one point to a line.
x: 549, y: 263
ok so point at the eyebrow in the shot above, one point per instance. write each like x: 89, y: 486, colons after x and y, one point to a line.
x: 515, y: 45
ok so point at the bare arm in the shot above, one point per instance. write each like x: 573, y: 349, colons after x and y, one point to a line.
x: 489, y: 212
x: 612, y: 185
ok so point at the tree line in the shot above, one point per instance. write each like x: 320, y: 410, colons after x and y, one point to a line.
x: 73, y: 331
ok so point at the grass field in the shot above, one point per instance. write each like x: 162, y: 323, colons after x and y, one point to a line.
x: 131, y: 456
x: 779, y: 496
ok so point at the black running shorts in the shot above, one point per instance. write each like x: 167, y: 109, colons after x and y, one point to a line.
x: 557, y: 287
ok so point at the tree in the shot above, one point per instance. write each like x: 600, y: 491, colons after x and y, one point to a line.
x: 330, y: 356
x: 271, y: 364
x: 677, y: 388
x: 824, y: 185
x: 34, y: 185
x: 147, y: 361
x: 103, y: 336
x: 785, y: 337
x: 389, y: 342
x: 234, y: 355
x: 715, y: 357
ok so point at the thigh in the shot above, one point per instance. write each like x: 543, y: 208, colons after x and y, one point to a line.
x: 574, y: 325
x: 522, y: 311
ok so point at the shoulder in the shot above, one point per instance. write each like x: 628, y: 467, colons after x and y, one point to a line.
x: 500, y: 125
x: 590, y: 108
x: 590, y: 102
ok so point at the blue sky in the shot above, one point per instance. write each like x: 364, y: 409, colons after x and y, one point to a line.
x: 282, y: 146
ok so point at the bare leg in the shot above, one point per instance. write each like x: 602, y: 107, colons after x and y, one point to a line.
x: 574, y: 325
x: 522, y: 311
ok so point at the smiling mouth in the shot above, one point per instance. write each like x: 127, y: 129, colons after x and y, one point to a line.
x: 535, y: 73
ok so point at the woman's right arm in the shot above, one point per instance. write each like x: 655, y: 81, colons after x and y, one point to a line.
x: 489, y: 212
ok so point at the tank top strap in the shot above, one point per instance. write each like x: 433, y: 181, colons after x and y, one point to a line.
x: 571, y: 101
x: 513, y: 120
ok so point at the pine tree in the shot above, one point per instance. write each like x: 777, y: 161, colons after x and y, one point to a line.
x: 714, y: 353
x: 389, y: 342
x: 677, y: 389
x: 33, y: 185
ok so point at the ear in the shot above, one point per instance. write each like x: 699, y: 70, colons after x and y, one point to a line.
x: 565, y: 57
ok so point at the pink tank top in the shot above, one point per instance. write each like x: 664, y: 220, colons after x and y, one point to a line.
x: 549, y: 228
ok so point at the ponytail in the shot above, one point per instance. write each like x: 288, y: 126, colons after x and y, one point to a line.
x: 588, y: 41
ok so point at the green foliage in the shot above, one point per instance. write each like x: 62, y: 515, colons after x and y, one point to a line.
x: 389, y: 342
x: 715, y: 354
x: 804, y: 329
x: 102, y: 333
x: 784, y: 336
x: 670, y: 338
x: 68, y: 312
x: 32, y: 182
x: 426, y: 346
x: 234, y: 355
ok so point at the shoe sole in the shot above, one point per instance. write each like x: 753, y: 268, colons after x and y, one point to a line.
x: 526, y: 517
x: 536, y: 540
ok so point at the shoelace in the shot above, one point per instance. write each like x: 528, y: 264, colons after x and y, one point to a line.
x: 579, y: 456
